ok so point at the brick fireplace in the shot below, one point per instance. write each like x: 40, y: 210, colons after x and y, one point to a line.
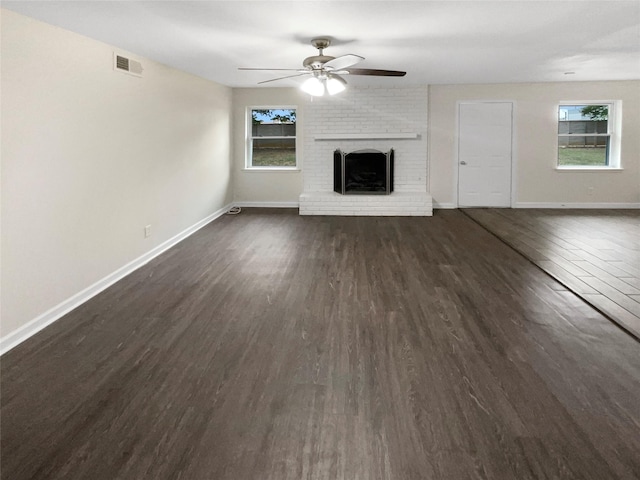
x: 382, y: 119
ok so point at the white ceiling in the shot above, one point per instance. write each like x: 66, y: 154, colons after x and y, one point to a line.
x: 446, y: 42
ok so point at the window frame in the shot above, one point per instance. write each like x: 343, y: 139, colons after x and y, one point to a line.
x: 613, y: 134
x: 249, y: 139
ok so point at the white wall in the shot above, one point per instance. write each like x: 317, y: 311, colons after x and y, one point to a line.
x: 263, y: 187
x: 90, y: 156
x: 537, y: 181
x: 535, y: 135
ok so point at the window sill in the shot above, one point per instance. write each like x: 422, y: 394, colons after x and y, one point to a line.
x: 272, y: 169
x: 577, y: 168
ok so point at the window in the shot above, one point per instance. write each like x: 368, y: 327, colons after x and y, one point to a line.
x: 586, y: 136
x: 272, y: 138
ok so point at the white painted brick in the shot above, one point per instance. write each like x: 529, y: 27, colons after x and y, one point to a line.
x: 367, y: 110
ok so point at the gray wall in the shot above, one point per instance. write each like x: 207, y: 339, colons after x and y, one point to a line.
x: 537, y: 180
x: 90, y: 156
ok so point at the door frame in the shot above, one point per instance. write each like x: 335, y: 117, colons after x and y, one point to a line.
x: 456, y: 160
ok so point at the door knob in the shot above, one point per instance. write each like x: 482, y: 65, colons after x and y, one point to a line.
x: 462, y: 162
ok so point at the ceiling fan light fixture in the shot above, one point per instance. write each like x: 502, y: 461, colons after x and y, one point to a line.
x: 326, y: 71
x: 335, y: 84
x: 313, y: 86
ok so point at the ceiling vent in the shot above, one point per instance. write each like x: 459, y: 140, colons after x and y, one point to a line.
x: 126, y: 65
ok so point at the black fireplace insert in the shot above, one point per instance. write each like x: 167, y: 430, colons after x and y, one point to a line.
x: 367, y: 172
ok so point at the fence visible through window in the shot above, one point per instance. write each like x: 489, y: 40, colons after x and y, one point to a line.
x: 583, y: 135
x: 273, y: 138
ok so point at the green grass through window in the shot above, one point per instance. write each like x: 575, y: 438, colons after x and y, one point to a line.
x: 274, y: 157
x: 593, y: 156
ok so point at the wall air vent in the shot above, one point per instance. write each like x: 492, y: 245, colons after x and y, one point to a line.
x: 126, y: 65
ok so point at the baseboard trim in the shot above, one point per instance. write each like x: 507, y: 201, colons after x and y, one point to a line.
x: 267, y: 204
x: 47, y: 318
x: 576, y: 205
x: 447, y: 206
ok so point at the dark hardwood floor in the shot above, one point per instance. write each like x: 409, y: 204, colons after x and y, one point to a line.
x: 595, y: 253
x: 274, y: 346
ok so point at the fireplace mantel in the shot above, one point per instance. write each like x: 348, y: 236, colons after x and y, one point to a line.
x: 365, y: 136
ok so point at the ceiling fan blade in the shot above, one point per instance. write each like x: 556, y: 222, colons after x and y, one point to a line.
x: 379, y: 73
x: 343, y: 61
x: 272, y: 69
x: 282, y: 78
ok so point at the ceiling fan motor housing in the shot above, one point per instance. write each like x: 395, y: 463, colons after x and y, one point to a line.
x: 316, y: 62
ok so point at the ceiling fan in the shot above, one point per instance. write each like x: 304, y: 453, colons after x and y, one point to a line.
x: 326, y: 71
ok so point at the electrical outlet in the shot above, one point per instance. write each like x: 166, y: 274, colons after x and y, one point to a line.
x: 589, y: 190
x: 147, y: 231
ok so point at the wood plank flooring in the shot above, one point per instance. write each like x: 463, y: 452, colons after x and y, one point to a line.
x: 270, y: 345
x: 595, y: 253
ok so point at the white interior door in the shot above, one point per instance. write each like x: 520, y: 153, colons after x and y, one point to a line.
x: 484, y: 154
